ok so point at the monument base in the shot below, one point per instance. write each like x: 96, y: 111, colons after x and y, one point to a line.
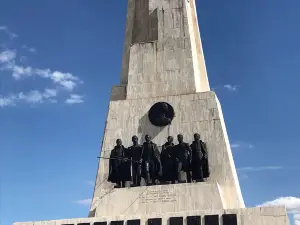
x: 159, y: 199
x: 246, y: 216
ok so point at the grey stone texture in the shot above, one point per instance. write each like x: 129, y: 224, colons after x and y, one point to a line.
x: 162, y: 52
x: 249, y: 216
x: 194, y: 113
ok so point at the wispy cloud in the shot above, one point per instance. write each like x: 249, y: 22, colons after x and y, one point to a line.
x: 74, y: 99
x: 84, y: 202
x: 30, y: 49
x: 292, y: 205
x: 11, y: 34
x: 61, y: 82
x: 32, y: 97
x: 7, y: 56
x: 257, y: 169
x: 66, y: 80
x: 91, y: 183
x: 241, y: 145
x: 244, y: 172
x: 228, y: 87
x: 7, y: 101
x: 231, y: 87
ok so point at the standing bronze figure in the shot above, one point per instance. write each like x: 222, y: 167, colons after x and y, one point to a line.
x: 200, y: 167
x: 183, y: 157
x: 136, y: 157
x: 168, y: 161
x: 150, y: 161
x: 119, y: 165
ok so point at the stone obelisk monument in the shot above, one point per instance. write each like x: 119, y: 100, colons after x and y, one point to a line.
x: 163, y: 62
x: 164, y: 91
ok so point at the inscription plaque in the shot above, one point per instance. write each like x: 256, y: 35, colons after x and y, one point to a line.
x: 176, y: 221
x: 229, y: 219
x: 154, y: 221
x: 211, y: 220
x: 193, y: 220
x: 133, y: 222
x: 159, y: 195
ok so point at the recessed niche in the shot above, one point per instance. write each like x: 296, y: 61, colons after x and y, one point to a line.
x: 211, y: 220
x: 229, y: 219
x: 133, y: 222
x: 193, y: 220
x: 119, y: 222
x: 176, y: 220
x: 154, y: 221
x: 100, y: 223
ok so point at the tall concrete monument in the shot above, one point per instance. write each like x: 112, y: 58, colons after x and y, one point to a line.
x: 164, y: 92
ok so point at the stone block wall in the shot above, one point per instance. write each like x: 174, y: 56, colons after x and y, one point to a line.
x: 194, y: 113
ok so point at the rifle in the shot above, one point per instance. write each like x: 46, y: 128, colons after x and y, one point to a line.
x: 100, y: 157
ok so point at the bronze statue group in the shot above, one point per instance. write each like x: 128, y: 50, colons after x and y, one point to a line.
x: 165, y: 167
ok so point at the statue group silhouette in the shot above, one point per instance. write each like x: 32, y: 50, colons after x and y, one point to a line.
x: 155, y: 167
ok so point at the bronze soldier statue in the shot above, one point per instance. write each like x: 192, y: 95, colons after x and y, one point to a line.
x: 183, y: 157
x: 136, y: 157
x: 150, y: 161
x: 168, y: 161
x: 119, y: 165
x: 200, y: 167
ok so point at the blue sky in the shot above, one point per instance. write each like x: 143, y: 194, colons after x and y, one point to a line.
x: 59, y: 60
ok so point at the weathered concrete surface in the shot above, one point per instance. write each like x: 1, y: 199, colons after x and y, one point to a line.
x: 159, y: 199
x: 162, y: 52
x: 201, y: 113
x: 249, y: 216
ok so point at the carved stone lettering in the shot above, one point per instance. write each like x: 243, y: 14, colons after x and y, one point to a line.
x: 162, y: 195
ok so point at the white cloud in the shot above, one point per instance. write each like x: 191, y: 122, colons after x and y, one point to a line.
x: 20, y: 71
x: 32, y: 97
x: 242, y: 145
x: 7, y: 101
x: 30, y: 49
x: 14, y: 64
x: 292, y: 205
x: 91, y: 183
x: 84, y: 202
x: 64, y: 80
x: 7, y: 56
x: 6, y: 30
x: 256, y: 169
x: 231, y: 87
x: 50, y: 93
x: 74, y: 99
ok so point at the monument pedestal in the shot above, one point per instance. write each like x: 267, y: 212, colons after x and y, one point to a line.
x: 194, y: 113
x: 246, y: 216
x: 159, y: 199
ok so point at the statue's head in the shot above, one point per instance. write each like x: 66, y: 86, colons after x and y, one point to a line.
x: 170, y: 139
x: 119, y: 142
x: 180, y: 138
x: 135, y: 139
x: 197, y: 137
x: 147, y: 138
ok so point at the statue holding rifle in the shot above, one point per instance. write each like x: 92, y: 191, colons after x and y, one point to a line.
x: 119, y: 165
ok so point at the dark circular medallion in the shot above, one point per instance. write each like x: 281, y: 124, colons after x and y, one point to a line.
x: 161, y: 114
